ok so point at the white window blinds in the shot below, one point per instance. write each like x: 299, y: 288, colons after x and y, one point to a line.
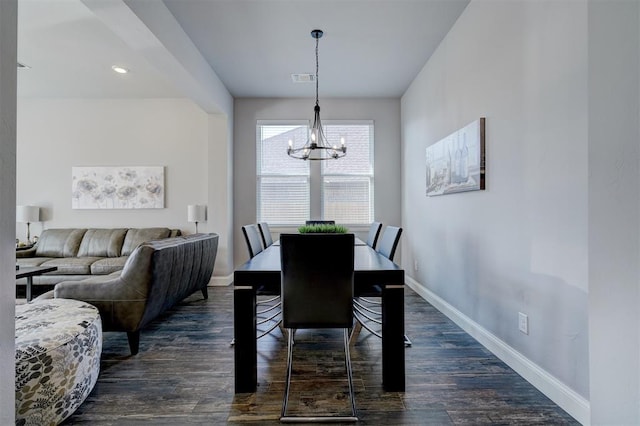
x: 347, y: 183
x: 283, y: 182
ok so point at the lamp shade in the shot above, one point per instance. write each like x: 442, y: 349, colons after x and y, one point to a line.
x: 196, y: 213
x: 27, y: 214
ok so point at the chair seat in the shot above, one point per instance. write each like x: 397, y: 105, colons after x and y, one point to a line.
x: 374, y: 290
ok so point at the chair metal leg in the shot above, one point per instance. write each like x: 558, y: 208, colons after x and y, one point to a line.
x: 319, y: 419
x: 347, y: 362
x: 355, y: 331
x: 268, y: 317
x: 288, y: 381
x: 363, y: 322
x: 361, y: 313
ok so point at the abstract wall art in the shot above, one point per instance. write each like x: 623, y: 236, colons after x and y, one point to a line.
x: 128, y: 187
x: 457, y: 162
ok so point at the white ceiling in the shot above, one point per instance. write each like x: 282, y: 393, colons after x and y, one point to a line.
x: 370, y: 48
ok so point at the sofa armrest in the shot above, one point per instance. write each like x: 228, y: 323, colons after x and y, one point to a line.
x: 107, y: 287
x: 121, y: 303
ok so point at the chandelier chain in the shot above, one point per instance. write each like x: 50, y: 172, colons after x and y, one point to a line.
x: 317, y: 67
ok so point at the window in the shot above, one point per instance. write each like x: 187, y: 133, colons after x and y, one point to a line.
x: 347, y: 183
x: 283, y: 182
x: 344, y: 192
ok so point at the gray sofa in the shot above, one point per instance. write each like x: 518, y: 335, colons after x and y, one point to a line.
x: 157, y: 275
x: 79, y: 253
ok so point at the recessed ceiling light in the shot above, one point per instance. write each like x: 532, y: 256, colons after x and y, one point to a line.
x: 119, y: 69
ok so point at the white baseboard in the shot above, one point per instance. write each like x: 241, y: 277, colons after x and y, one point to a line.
x: 220, y: 281
x: 570, y: 401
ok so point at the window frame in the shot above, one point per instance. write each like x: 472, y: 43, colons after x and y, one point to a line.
x: 315, y: 176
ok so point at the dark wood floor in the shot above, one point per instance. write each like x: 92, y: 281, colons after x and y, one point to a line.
x: 184, y: 375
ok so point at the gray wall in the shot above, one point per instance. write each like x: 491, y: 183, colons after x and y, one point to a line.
x: 8, y: 58
x: 520, y: 245
x: 556, y: 234
x: 386, y: 116
x: 614, y: 199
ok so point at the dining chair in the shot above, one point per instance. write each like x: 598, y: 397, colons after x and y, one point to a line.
x: 320, y: 222
x: 269, y: 310
x: 374, y: 232
x: 389, y: 241
x: 252, y: 238
x: 266, y: 234
x: 316, y: 296
x: 367, y: 308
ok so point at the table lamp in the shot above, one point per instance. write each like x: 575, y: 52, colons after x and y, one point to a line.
x: 196, y: 213
x: 28, y: 214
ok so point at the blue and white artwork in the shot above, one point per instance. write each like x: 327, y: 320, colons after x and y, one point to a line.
x: 456, y: 163
x: 117, y: 187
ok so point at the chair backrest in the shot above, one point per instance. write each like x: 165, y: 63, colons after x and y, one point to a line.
x: 317, y: 292
x: 320, y: 222
x: 389, y: 241
x: 266, y: 234
x: 374, y: 232
x: 252, y: 237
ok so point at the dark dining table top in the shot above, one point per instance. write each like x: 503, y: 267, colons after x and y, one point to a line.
x: 365, y: 259
x: 357, y: 242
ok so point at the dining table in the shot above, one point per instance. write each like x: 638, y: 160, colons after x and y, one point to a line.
x: 374, y: 273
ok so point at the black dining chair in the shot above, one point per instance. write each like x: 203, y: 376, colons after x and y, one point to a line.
x: 267, y: 240
x: 367, y: 308
x: 317, y: 295
x: 374, y: 232
x: 252, y: 238
x: 389, y: 241
x: 268, y: 316
x: 320, y: 222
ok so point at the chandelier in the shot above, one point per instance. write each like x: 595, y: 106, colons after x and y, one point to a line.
x: 317, y: 147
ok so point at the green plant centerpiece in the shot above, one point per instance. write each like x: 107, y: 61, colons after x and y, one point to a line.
x: 323, y: 228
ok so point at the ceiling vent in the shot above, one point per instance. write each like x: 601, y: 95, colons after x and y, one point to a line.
x: 23, y: 66
x: 303, y: 78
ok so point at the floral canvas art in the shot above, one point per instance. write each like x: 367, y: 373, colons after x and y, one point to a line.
x: 117, y: 187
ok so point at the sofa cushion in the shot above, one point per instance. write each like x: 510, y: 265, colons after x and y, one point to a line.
x: 102, y: 242
x: 108, y: 265
x: 59, y: 242
x: 72, y: 265
x: 33, y: 261
x: 135, y: 237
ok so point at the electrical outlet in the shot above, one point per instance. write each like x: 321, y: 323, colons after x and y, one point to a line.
x: 523, y: 323
x: 415, y: 265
